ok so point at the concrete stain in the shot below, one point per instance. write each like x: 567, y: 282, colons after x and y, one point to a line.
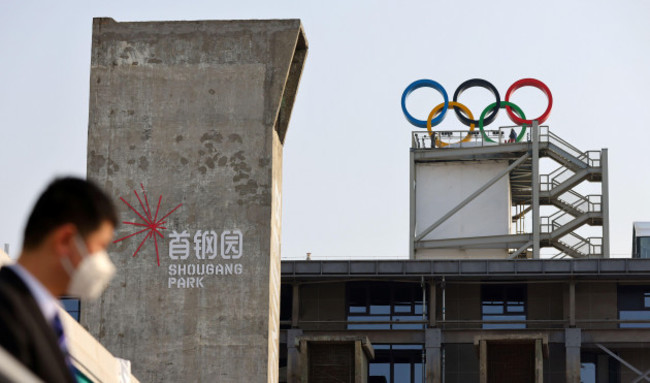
x: 184, y: 161
x: 179, y: 138
x: 212, y: 135
x: 112, y: 167
x: 146, y: 134
x: 240, y: 176
x: 234, y: 138
x: 96, y: 162
x: 248, y: 188
x: 143, y: 163
x: 263, y: 162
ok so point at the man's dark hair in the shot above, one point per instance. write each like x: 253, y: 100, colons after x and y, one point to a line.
x: 68, y: 200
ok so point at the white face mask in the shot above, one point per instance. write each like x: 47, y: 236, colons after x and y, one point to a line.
x: 90, y: 278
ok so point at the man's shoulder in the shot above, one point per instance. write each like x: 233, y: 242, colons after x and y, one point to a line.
x: 15, y: 297
x: 11, y: 282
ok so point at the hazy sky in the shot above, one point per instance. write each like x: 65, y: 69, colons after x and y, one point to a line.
x: 346, y: 153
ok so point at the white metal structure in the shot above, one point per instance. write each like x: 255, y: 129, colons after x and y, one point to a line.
x: 485, y: 217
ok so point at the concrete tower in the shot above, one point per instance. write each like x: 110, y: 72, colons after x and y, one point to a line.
x: 186, y: 130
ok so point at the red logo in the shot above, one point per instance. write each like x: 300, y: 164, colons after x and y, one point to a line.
x: 152, y: 225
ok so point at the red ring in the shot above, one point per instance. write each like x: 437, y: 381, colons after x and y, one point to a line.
x: 534, y: 83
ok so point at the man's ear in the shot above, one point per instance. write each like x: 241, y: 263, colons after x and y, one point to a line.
x: 63, y: 240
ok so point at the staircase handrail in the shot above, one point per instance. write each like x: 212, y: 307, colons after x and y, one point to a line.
x: 555, y: 139
x: 593, y: 202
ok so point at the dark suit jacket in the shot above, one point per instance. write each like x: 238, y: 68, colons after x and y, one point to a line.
x: 25, y: 333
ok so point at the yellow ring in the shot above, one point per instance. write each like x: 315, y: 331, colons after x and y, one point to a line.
x: 452, y: 104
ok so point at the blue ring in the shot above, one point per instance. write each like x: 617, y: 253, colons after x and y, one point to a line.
x: 421, y: 84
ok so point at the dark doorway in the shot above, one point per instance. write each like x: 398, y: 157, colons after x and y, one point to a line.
x: 511, y: 362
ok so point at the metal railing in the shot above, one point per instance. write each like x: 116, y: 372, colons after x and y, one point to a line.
x: 586, y: 247
x: 475, y: 323
x: 583, y: 204
x: 453, y: 139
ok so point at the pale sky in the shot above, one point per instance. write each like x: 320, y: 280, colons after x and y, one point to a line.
x: 347, y: 149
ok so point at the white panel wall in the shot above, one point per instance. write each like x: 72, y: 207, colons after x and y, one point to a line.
x: 443, y: 185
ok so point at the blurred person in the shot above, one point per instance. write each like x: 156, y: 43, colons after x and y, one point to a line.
x: 63, y: 254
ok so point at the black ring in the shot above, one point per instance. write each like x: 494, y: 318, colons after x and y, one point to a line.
x: 470, y: 84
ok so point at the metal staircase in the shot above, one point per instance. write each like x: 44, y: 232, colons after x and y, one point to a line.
x: 574, y: 209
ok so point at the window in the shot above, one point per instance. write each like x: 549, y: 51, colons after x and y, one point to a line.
x: 503, y: 303
x: 71, y: 305
x: 634, y: 304
x: 397, y: 363
x: 384, y: 302
x: 643, y: 247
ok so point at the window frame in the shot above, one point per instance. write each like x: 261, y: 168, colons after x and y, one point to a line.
x: 637, y: 301
x: 416, y: 305
x: 505, y: 293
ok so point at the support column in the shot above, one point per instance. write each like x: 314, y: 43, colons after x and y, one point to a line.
x: 572, y: 303
x: 539, y: 362
x: 412, y: 185
x: 483, y: 362
x: 605, y: 201
x: 295, y: 305
x: 432, y: 304
x: 293, y: 356
x: 535, y: 191
x: 360, y: 364
x: 573, y: 342
x: 433, y: 343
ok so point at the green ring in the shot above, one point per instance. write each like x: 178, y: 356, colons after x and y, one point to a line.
x: 502, y: 105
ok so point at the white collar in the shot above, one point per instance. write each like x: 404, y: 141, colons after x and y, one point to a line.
x: 46, y: 302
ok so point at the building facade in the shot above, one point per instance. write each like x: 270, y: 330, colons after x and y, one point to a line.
x: 470, y: 320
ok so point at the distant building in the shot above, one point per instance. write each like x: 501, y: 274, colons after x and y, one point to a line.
x: 641, y: 240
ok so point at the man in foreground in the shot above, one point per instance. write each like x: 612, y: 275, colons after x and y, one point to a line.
x: 63, y: 253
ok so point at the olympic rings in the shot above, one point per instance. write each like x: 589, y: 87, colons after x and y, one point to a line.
x: 536, y: 84
x: 485, y: 120
x: 452, y: 105
x: 504, y: 104
x: 421, y: 84
x: 480, y: 83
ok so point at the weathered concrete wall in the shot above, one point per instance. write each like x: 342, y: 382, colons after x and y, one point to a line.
x: 545, y: 303
x: 323, y: 302
x: 461, y: 363
x: 596, y: 301
x: 463, y: 303
x: 195, y: 112
x: 639, y: 358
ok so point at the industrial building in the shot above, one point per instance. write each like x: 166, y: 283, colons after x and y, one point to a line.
x: 478, y: 301
x: 508, y: 278
x: 468, y: 320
